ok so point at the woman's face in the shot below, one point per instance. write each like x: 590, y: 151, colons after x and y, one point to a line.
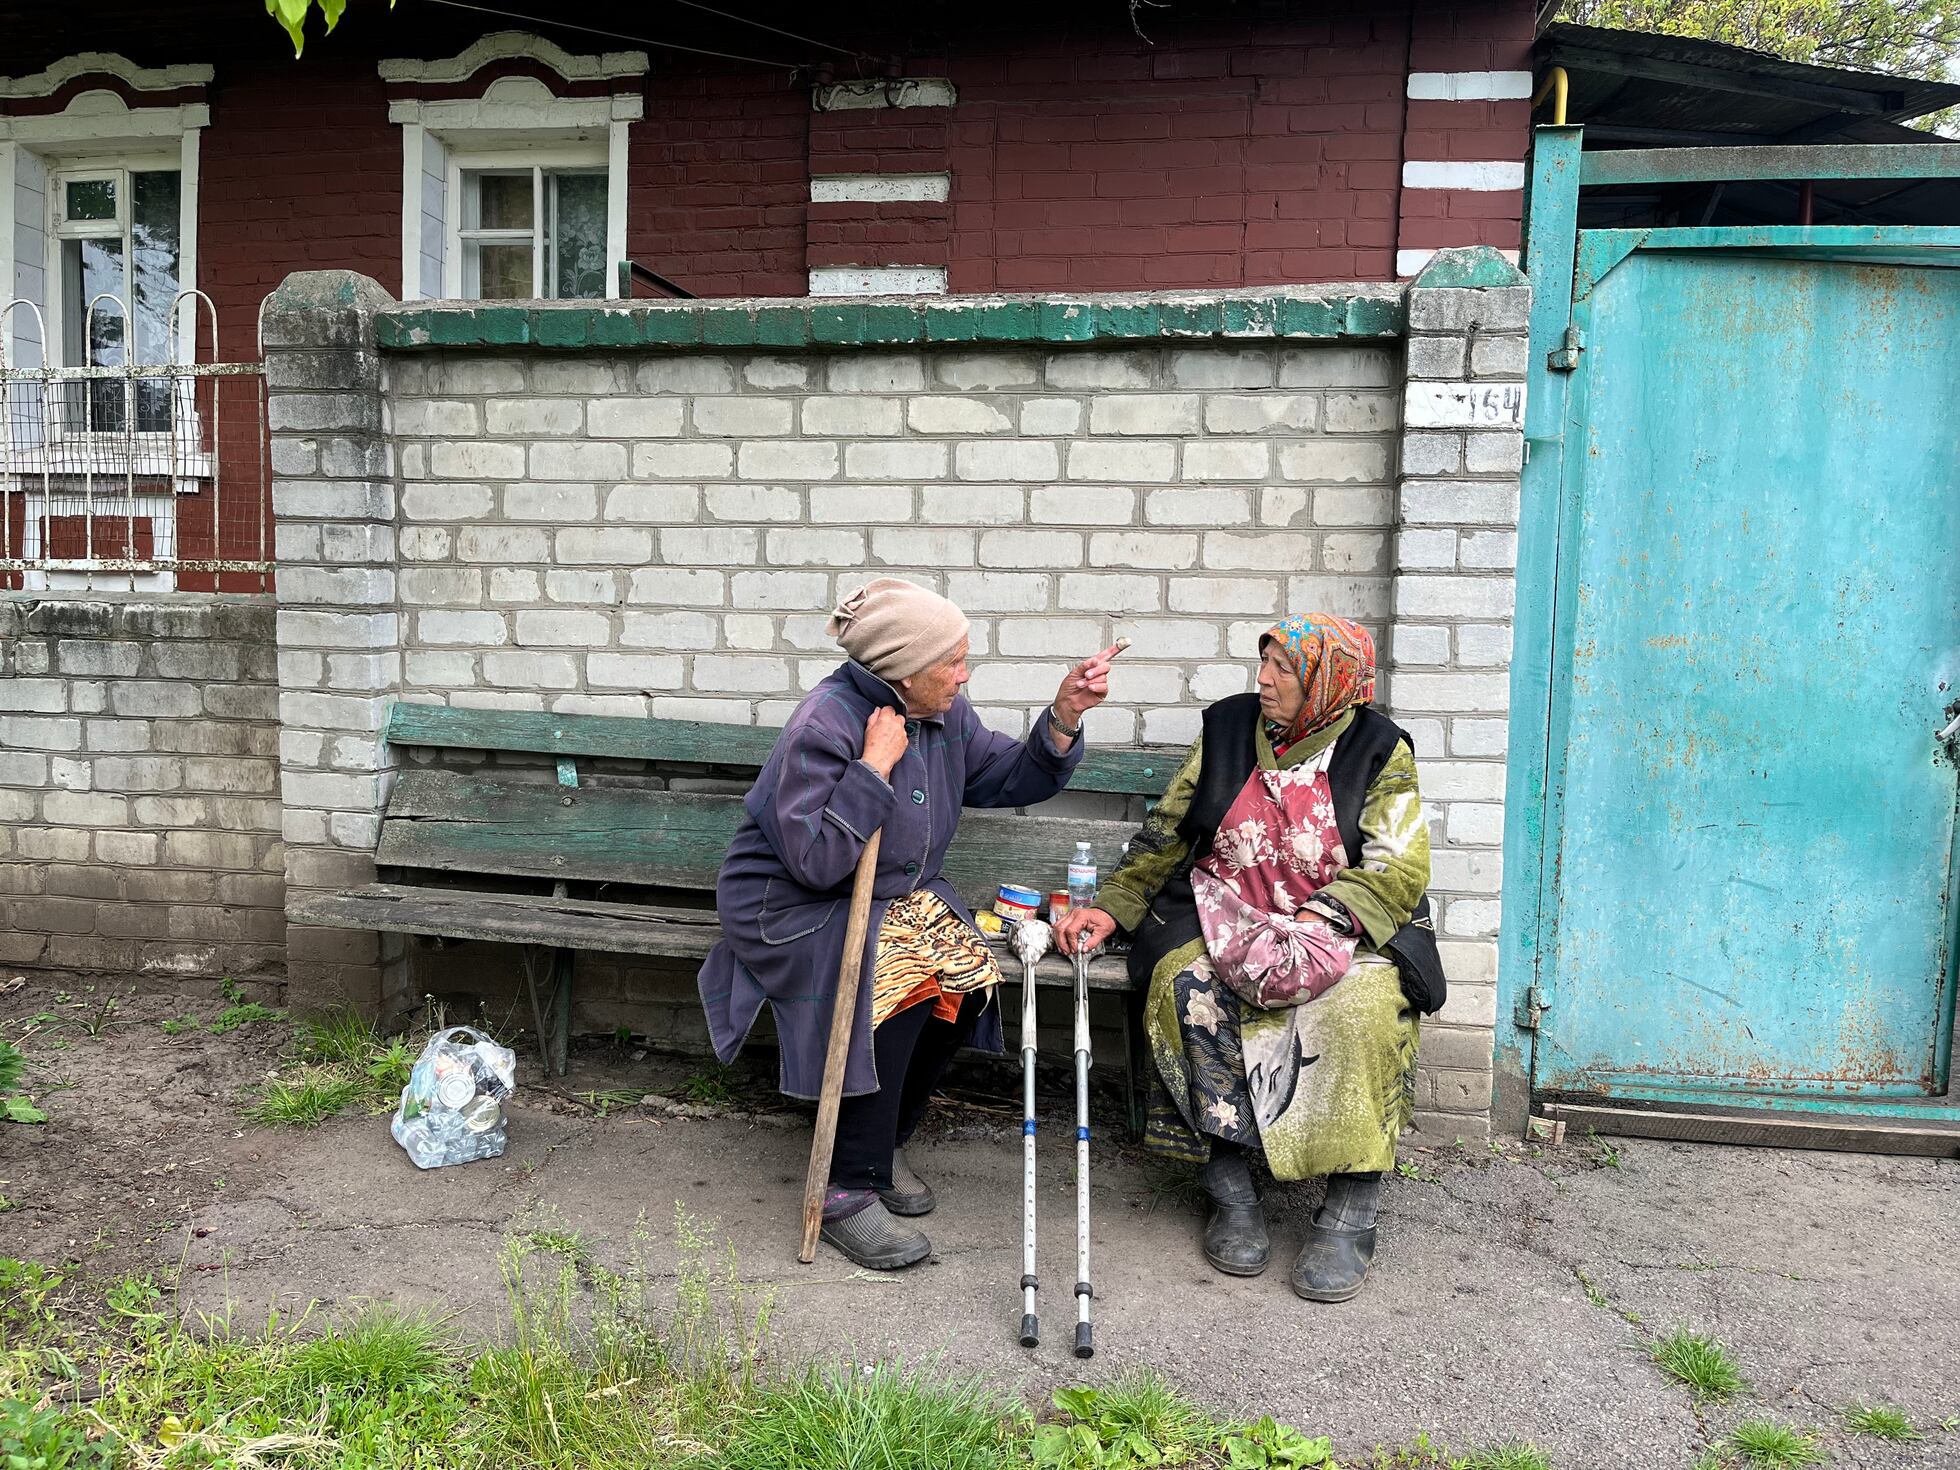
x: 1280, y: 696
x: 931, y: 692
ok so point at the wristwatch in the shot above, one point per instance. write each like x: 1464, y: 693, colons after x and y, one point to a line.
x: 1055, y: 724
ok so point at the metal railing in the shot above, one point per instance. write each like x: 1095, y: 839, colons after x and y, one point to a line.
x: 140, y: 476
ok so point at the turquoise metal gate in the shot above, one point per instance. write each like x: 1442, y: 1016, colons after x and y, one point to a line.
x: 1733, y: 855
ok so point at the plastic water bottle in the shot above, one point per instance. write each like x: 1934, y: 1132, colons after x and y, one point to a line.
x: 1082, y: 879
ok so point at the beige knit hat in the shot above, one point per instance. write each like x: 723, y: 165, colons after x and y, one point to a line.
x: 897, y: 628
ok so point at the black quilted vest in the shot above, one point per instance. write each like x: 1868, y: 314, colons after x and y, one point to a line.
x: 1231, y: 753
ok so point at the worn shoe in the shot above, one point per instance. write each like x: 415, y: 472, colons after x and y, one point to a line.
x: 873, y: 1239
x: 909, y: 1195
x: 1236, y: 1241
x: 1333, y: 1263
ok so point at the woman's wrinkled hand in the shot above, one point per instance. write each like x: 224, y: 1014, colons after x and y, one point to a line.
x: 885, y: 741
x: 1085, y: 686
x: 1084, y: 929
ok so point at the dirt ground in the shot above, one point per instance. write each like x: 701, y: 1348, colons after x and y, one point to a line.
x: 1514, y: 1297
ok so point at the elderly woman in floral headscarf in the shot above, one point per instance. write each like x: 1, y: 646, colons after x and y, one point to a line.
x: 1275, y: 900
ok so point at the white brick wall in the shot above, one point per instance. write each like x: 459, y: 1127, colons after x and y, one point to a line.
x: 705, y: 520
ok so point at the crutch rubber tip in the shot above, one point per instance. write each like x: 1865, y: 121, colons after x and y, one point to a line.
x: 1085, y: 1347
x: 1030, y: 1330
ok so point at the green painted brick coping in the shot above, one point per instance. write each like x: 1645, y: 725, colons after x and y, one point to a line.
x: 1361, y: 313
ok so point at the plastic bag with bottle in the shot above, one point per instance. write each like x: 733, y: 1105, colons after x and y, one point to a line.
x: 452, y: 1110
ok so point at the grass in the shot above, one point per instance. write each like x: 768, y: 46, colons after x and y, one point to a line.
x: 1881, y: 1421
x: 1506, y: 1457
x: 1701, y: 1362
x: 1763, y: 1444
x: 714, y: 1086
x: 340, y: 1063
x: 250, y: 1013
x: 838, y: 1418
x: 305, y: 1099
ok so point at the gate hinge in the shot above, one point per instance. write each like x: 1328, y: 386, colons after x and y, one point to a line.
x: 1565, y: 357
x: 1530, y: 1009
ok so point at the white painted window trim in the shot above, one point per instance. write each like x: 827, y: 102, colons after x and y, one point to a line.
x: 515, y: 116
x: 58, y: 74
x: 99, y: 127
x: 512, y: 46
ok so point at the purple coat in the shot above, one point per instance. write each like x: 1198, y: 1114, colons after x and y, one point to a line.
x: 784, y: 892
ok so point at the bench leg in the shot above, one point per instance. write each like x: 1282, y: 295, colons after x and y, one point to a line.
x: 551, y: 1014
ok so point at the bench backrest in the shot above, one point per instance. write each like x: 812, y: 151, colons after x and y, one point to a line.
x: 1138, y: 772
x: 515, y: 824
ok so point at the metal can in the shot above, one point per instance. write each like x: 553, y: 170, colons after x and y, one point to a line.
x: 1058, y: 905
x: 1014, y: 903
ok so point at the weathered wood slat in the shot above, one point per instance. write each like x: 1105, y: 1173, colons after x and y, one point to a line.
x: 488, y: 823
x: 1865, y: 1134
x: 1118, y: 771
x: 615, y: 928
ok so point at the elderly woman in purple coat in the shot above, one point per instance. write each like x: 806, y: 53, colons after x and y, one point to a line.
x: 887, y: 742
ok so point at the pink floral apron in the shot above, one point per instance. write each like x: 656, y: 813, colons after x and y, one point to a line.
x: 1277, y: 847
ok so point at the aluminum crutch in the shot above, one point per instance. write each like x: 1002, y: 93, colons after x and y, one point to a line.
x: 1084, y: 1341
x: 1031, y: 938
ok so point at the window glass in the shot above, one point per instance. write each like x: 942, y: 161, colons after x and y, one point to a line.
x: 90, y: 199
x: 579, y: 236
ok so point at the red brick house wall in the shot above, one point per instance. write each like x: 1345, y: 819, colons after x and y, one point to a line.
x: 1237, y: 146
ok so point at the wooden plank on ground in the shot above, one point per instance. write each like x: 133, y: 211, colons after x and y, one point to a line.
x: 484, y: 822
x: 614, y: 928
x: 1121, y: 771
x: 1842, y: 1132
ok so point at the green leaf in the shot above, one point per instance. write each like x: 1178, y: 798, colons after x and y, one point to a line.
x: 1081, y: 1402
x: 332, y: 9
x: 17, y: 1109
x: 1051, y: 1446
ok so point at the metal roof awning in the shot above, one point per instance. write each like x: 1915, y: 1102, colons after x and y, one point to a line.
x: 1636, y: 90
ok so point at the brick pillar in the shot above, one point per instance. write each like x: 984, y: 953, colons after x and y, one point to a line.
x: 339, y: 627
x: 1450, y: 635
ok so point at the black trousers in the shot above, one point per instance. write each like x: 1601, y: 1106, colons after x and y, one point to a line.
x: 912, y: 1049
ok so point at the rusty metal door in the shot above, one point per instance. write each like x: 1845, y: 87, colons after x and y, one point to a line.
x: 1749, y: 860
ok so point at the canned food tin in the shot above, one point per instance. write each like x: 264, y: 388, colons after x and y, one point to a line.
x: 1058, y: 905
x: 1015, y: 903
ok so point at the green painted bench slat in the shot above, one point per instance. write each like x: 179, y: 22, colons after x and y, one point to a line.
x: 1130, y: 772
x: 486, y: 822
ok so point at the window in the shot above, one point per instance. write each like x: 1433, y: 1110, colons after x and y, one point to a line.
x: 533, y: 232
x: 517, y: 192
x: 118, y: 269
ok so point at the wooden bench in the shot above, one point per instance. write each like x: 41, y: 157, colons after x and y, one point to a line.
x: 575, y: 850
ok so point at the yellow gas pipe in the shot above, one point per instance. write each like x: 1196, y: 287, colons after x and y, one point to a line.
x: 1555, y: 84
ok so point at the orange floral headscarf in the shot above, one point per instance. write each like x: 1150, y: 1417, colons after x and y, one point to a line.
x: 1334, y: 660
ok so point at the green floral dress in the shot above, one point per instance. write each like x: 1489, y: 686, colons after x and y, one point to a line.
x: 1347, y: 1059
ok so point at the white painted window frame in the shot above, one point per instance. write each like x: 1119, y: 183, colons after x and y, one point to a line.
x: 540, y: 160
x: 98, y: 127
x: 515, y: 118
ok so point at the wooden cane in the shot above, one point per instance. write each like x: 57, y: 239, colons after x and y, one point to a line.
x: 842, y: 1015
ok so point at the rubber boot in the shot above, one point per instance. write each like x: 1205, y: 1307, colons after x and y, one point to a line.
x: 1236, y: 1241
x: 866, y: 1232
x: 909, y: 1195
x: 1340, y: 1244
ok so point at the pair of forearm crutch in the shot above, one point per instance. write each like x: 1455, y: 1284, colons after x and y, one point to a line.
x: 1030, y: 940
